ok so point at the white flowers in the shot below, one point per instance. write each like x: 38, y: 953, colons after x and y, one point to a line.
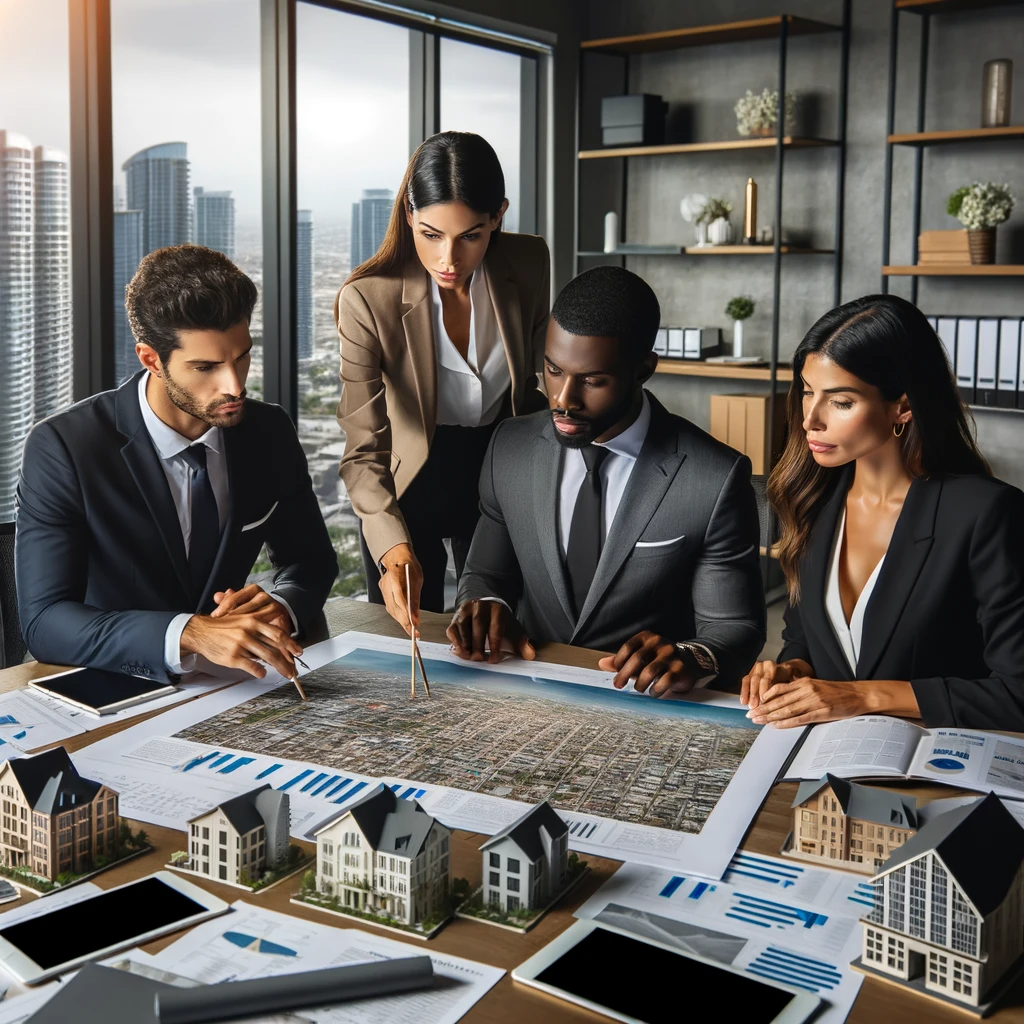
x: 759, y: 115
x: 984, y: 205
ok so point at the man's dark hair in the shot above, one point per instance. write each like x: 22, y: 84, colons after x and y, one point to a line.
x: 185, y: 288
x: 610, y: 302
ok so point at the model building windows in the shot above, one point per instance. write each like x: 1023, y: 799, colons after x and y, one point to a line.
x: 495, y: 861
x: 513, y: 903
x: 896, y: 885
x: 206, y: 846
x: 206, y: 832
x: 512, y: 884
x: 222, y: 872
x: 918, y: 896
x: 513, y: 866
x: 495, y: 876
x: 495, y: 899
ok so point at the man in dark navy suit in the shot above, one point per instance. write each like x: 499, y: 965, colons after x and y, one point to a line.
x: 141, y: 511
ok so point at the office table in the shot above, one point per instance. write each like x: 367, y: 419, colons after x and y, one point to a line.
x: 507, y: 1001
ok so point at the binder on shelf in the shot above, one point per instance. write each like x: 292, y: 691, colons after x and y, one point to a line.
x: 675, y: 342
x: 966, y: 357
x: 945, y: 328
x: 988, y: 357
x: 701, y: 342
x: 661, y: 348
x: 1009, y: 356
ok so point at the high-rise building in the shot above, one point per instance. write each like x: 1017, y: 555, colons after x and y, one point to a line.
x: 128, y: 252
x: 304, y: 284
x: 214, y: 221
x: 17, y: 307
x: 156, y: 181
x: 369, y: 223
x: 52, y: 272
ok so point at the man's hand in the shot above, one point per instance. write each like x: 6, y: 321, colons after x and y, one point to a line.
x: 251, y: 600
x: 652, y: 661
x: 392, y: 586
x: 242, y: 642
x: 765, y: 674
x: 478, y: 628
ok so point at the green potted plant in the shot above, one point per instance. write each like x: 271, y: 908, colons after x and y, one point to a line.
x: 981, y: 207
x: 739, y: 309
x: 716, y: 215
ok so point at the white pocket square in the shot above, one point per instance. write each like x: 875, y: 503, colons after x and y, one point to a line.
x: 660, y: 543
x: 260, y: 522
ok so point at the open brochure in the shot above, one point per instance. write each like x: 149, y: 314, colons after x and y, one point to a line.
x: 876, y: 747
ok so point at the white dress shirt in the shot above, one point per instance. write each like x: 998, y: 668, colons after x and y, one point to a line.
x: 615, y: 473
x: 847, y: 633
x: 470, y: 391
x: 169, y: 445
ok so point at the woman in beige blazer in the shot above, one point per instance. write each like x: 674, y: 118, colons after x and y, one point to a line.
x: 442, y: 333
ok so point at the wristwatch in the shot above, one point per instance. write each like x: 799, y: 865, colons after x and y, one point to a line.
x: 700, y: 662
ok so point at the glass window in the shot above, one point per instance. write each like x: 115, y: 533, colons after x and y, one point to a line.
x: 35, y: 228
x: 185, y: 84
x: 480, y: 92
x: 352, y: 126
x: 513, y: 865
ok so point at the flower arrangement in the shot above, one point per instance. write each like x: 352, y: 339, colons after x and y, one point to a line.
x: 759, y: 114
x: 981, y: 205
x: 740, y: 308
x: 692, y: 206
x: 713, y: 209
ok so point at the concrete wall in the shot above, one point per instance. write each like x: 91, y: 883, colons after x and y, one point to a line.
x: 702, y: 85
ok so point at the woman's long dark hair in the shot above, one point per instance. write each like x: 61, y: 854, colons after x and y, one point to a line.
x: 450, y: 167
x: 887, y: 342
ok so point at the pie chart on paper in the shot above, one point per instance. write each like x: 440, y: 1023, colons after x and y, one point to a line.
x: 257, y: 945
x: 945, y: 765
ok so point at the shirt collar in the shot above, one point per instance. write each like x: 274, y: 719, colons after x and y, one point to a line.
x: 167, y: 441
x: 631, y: 440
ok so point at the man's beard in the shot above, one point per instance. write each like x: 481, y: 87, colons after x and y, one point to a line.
x: 186, y: 402
x: 591, y: 427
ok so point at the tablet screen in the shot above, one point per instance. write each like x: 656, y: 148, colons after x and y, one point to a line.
x: 109, y: 919
x: 657, y: 985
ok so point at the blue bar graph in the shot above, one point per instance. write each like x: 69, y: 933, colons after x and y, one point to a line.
x: 266, y: 771
x: 8, y: 720
x: 407, y: 793
x: 298, y: 778
x: 765, y: 913
x: 223, y: 759
x: 420, y: 793
x: 699, y: 889
x: 313, y: 781
x: 351, y: 793
x: 793, y: 969
x: 323, y: 785
x: 764, y: 870
x: 673, y: 884
x: 335, y: 789
x: 864, y: 895
x: 237, y: 763
x: 196, y: 761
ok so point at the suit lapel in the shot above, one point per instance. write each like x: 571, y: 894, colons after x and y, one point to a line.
x: 815, y: 568
x: 417, y: 321
x: 504, y: 292
x: 655, y: 469
x: 908, y: 551
x: 547, y: 472
x: 144, y: 464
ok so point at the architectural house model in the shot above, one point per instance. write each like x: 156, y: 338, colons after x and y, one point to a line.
x: 835, y: 820
x: 949, y: 905
x: 526, y: 864
x: 242, y: 838
x: 385, y: 856
x: 54, y: 821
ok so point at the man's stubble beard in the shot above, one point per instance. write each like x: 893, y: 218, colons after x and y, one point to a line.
x: 184, y: 400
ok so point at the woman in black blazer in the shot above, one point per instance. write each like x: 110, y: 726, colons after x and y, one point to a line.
x: 904, y: 557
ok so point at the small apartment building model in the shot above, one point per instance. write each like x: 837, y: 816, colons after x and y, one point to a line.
x: 525, y: 865
x: 55, y: 821
x: 246, y: 834
x: 949, y: 905
x: 838, y: 820
x: 387, y: 856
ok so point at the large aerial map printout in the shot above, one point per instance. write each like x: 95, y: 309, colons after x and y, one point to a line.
x: 670, y: 783
x: 618, y: 755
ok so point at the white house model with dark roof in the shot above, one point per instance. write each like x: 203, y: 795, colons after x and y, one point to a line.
x: 949, y: 904
x: 54, y: 820
x: 525, y: 865
x: 246, y: 835
x: 384, y: 855
x: 835, y: 820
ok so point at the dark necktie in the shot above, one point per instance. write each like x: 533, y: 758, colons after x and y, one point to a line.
x: 586, y: 534
x: 205, y: 539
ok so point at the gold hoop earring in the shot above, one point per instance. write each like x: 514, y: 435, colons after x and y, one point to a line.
x: 898, y: 433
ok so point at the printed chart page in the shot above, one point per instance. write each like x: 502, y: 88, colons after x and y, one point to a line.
x: 774, y: 919
x: 872, y: 746
x: 984, y: 761
x: 251, y: 942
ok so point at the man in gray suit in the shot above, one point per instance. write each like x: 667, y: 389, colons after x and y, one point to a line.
x: 607, y: 521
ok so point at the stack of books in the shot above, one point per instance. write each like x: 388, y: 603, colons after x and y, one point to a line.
x: 943, y: 247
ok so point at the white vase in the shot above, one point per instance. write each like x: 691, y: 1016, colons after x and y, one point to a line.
x: 737, y: 339
x: 720, y: 232
x: 702, y: 235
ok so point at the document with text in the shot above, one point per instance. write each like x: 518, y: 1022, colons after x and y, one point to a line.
x: 878, y: 747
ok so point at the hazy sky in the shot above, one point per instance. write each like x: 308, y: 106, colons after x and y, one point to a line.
x: 188, y: 71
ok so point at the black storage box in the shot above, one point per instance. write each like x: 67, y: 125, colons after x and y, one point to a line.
x: 635, y: 120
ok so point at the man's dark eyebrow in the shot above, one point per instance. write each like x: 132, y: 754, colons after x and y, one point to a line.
x: 584, y: 373
x: 203, y: 362
x: 424, y: 224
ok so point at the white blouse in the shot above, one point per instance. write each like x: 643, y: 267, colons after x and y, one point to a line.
x: 847, y: 633
x: 470, y: 391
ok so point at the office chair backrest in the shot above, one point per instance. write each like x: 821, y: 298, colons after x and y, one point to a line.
x: 12, y: 644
